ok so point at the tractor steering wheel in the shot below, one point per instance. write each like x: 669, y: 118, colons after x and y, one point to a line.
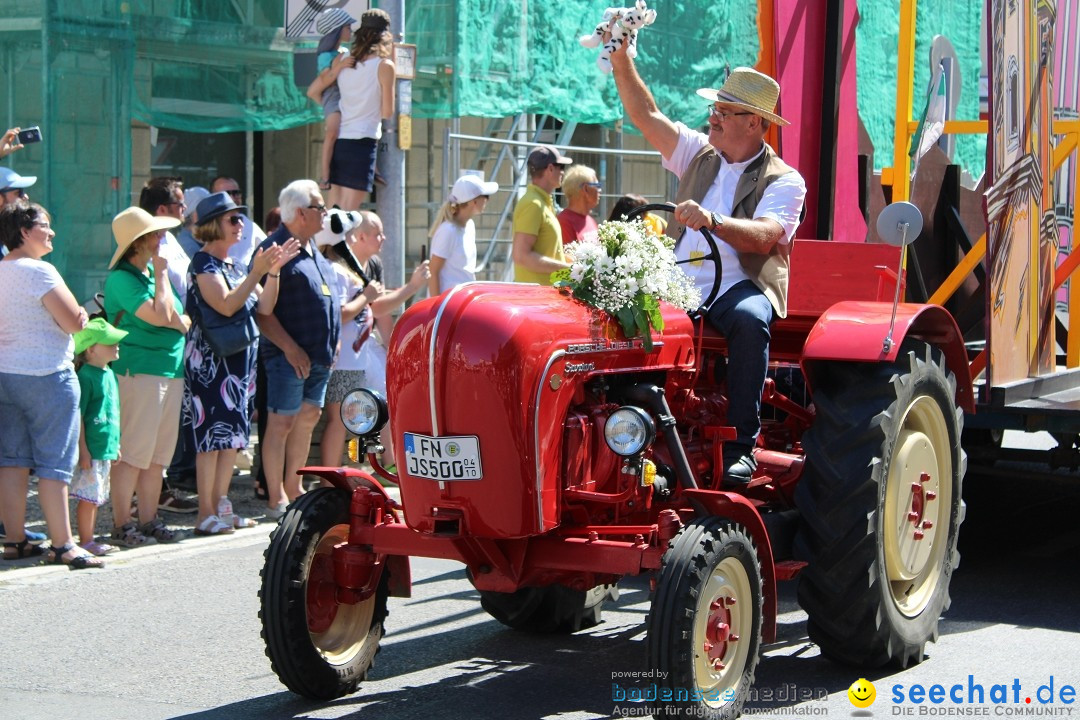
x: 714, y: 254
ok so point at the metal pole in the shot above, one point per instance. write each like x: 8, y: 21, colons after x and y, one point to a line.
x: 390, y: 198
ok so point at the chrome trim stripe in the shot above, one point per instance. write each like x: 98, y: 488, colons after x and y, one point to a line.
x: 536, y: 437
x: 431, y: 348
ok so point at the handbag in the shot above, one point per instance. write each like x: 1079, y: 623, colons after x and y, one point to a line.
x: 226, y: 335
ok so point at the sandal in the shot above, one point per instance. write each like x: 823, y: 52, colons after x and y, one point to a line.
x: 81, y: 561
x: 96, y: 548
x: 20, y: 550
x: 128, y: 536
x: 212, y: 525
x: 157, y: 530
x: 242, y: 522
x: 324, y: 184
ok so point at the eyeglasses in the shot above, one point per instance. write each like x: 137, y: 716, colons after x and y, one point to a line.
x: 235, y: 193
x: 236, y: 220
x: 596, y: 185
x: 320, y: 208
x: 181, y: 203
x: 723, y: 115
x: 20, y: 191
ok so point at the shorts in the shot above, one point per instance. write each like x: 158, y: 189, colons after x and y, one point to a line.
x: 92, y: 485
x: 40, y: 420
x: 331, y: 100
x: 149, y: 418
x: 353, y: 164
x: 285, y: 393
x: 342, y: 382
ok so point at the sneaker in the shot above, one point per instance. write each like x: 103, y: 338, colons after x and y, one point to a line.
x: 129, y: 536
x: 173, y: 501
x: 156, y: 529
x: 275, y: 513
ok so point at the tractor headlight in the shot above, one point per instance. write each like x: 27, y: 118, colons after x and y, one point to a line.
x: 364, y: 412
x: 629, y: 430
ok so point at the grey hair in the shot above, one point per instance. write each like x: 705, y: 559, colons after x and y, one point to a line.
x: 294, y: 196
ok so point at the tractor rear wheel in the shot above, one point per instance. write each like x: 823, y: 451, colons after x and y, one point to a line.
x: 705, y: 620
x: 551, y: 609
x: 881, y: 507
x: 319, y: 648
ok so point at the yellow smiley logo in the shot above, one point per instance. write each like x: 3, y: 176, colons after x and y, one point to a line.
x: 862, y: 693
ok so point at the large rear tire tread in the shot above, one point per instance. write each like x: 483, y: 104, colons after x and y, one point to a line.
x: 845, y: 588
x: 283, y: 602
x: 672, y: 646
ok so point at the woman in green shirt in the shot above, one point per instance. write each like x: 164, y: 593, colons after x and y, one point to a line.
x: 149, y: 373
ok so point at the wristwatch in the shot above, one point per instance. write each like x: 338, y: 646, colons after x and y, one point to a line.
x: 715, y: 221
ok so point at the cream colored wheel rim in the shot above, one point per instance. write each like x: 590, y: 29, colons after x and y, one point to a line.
x: 723, y: 627
x: 344, y: 636
x: 918, y: 502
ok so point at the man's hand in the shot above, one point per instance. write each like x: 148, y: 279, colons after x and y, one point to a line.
x: 693, y: 216
x: 10, y: 142
x: 373, y: 290
x: 419, y: 277
x: 299, y: 360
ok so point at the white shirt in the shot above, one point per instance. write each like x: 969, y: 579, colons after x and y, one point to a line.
x: 250, y: 238
x: 347, y: 287
x: 178, y: 260
x: 457, y: 245
x: 361, y: 100
x: 781, y: 202
x: 31, y: 343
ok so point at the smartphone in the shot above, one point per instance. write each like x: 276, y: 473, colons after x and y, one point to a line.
x: 423, y: 253
x: 30, y: 135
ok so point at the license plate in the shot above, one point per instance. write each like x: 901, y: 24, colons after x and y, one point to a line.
x: 443, y: 458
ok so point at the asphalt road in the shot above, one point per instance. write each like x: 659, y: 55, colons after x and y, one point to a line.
x: 172, y: 632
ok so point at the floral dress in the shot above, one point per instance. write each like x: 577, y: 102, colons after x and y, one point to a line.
x: 219, y: 392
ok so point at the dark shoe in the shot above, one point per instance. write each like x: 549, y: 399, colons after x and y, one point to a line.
x: 34, y: 538
x: 173, y: 501
x: 156, y: 529
x: 128, y: 536
x: 739, y: 466
x: 77, y: 558
x: 20, y: 550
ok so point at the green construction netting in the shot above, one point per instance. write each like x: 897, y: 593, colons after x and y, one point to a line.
x: 876, y: 55
x: 518, y: 57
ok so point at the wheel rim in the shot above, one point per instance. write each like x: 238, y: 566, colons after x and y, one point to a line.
x: 723, y: 624
x: 338, y: 631
x: 918, y: 499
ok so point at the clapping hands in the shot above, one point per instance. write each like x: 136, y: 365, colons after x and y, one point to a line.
x: 275, y: 257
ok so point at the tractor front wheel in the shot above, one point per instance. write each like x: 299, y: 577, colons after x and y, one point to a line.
x: 881, y: 507
x: 704, y: 628
x: 319, y: 648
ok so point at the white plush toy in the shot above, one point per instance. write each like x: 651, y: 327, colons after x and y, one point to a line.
x: 623, y: 24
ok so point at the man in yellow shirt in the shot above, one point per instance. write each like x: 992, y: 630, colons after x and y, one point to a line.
x: 538, y: 249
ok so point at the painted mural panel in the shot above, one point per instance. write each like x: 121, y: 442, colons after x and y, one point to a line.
x: 1022, y: 232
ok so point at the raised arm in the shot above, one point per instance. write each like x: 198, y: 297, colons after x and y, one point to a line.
x: 640, y: 105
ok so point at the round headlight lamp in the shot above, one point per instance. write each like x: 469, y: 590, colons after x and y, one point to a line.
x: 364, y: 412
x: 629, y: 430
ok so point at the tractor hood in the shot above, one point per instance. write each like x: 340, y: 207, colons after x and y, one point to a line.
x: 479, y: 381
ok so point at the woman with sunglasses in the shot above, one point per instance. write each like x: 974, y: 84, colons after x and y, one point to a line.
x: 218, y: 391
x: 582, y: 192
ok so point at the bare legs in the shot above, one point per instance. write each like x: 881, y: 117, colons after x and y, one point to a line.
x: 127, y: 481
x: 285, y: 450
x: 53, y: 496
x: 213, y: 474
x: 349, y: 198
x: 332, y: 444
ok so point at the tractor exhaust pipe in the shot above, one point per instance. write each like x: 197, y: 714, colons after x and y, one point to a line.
x: 653, y: 398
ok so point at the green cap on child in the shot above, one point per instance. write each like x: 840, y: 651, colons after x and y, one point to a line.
x: 97, y: 331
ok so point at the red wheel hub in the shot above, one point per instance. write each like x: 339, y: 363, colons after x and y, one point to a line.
x: 718, y: 633
x: 322, y: 604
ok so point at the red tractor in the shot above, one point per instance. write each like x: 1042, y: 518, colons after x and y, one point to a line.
x: 552, y: 456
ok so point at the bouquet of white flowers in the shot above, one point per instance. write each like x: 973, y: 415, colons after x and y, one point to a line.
x: 627, y: 273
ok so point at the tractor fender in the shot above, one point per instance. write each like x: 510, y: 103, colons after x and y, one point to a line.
x: 855, y: 331
x: 737, y: 508
x: 348, y: 478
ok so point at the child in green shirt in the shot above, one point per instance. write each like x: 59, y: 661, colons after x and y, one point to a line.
x: 96, y: 346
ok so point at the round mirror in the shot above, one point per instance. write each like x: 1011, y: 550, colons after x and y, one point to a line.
x: 899, y: 223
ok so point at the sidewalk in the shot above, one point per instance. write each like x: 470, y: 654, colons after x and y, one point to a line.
x: 241, y: 493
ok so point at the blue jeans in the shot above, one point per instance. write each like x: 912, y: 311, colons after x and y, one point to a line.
x: 40, y: 416
x: 285, y: 392
x: 743, y: 314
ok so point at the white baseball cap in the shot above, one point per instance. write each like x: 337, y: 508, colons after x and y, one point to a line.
x: 192, y: 197
x: 470, y: 187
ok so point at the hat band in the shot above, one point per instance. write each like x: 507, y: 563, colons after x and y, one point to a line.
x: 728, y: 97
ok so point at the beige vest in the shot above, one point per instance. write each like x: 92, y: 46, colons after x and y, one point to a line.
x: 768, y: 272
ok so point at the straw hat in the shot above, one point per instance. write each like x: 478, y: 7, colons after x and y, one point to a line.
x: 748, y: 89
x: 132, y: 224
